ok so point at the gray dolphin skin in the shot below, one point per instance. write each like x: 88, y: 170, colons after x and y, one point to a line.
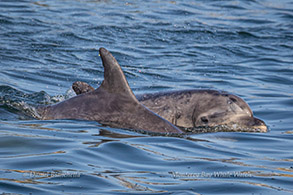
x: 204, y: 108
x: 113, y: 104
x: 198, y: 108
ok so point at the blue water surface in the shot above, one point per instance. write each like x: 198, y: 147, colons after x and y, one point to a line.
x: 244, y: 47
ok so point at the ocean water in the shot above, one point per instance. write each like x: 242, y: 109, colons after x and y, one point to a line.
x: 244, y: 47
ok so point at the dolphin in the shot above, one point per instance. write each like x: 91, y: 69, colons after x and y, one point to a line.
x: 113, y: 104
x: 197, y: 108
x: 190, y: 109
x: 204, y: 108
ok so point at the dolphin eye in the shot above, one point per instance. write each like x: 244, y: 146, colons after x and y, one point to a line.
x: 233, y: 99
x: 204, y: 119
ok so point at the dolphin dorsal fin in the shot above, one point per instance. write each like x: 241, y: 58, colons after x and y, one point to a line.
x: 121, y: 107
x: 114, y: 78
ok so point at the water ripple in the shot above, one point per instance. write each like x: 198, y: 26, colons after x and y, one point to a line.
x: 244, y: 47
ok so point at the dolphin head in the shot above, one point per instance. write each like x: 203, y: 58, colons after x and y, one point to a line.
x: 229, y: 111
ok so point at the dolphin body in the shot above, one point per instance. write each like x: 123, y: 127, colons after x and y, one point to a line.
x: 197, y: 108
x: 113, y: 104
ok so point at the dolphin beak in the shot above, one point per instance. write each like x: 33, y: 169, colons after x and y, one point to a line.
x: 260, y: 125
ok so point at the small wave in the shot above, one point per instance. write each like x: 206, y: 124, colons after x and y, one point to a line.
x: 24, y: 104
x: 220, y: 128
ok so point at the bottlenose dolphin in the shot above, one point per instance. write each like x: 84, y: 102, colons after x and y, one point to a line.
x: 197, y: 108
x: 189, y: 109
x: 204, y: 108
x: 113, y: 104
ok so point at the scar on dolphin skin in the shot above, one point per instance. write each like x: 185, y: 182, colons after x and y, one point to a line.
x: 198, y: 108
x: 113, y: 104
